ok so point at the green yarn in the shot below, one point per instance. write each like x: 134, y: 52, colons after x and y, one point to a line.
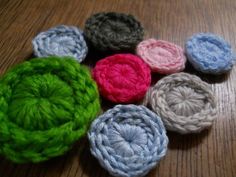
x: 45, y: 106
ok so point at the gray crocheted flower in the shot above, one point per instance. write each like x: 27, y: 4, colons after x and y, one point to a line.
x: 209, y: 53
x: 61, y: 41
x: 128, y: 140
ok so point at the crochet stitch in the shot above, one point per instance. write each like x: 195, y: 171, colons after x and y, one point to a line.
x: 122, y: 78
x: 45, y: 106
x: 209, y: 53
x: 162, y: 56
x: 113, y: 31
x: 61, y: 41
x: 128, y: 140
x: 185, y: 103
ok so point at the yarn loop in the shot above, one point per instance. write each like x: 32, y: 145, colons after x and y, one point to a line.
x: 162, y: 56
x: 210, y: 53
x: 61, y: 41
x: 185, y: 103
x: 122, y: 78
x: 45, y: 106
x: 113, y: 31
x: 128, y: 140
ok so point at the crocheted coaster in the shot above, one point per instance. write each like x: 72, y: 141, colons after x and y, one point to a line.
x: 128, y: 140
x: 113, y: 31
x: 209, y: 53
x: 185, y: 103
x: 61, y: 41
x: 122, y: 78
x: 45, y: 106
x: 162, y: 56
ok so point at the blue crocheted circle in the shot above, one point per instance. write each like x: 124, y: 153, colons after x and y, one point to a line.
x: 61, y: 41
x: 128, y: 140
x: 209, y: 53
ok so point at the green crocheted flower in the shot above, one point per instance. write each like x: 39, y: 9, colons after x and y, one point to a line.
x: 45, y: 106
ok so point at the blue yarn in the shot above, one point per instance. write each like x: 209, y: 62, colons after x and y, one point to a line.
x: 209, y: 53
x: 128, y: 140
x: 61, y: 41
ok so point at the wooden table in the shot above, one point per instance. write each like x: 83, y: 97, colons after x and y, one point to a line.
x: 208, y: 154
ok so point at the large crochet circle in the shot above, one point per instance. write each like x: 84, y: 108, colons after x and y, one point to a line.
x: 185, y: 103
x: 113, y: 31
x: 162, y: 56
x: 122, y: 78
x: 209, y: 53
x: 45, y: 106
x: 61, y: 41
x: 128, y: 140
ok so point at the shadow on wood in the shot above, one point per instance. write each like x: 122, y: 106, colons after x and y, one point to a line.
x: 183, y: 142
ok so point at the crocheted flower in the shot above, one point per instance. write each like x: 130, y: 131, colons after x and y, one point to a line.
x: 128, y: 140
x: 45, y: 106
x: 61, y: 41
x: 162, y: 56
x: 209, y: 53
x: 122, y: 78
x: 185, y: 103
x: 113, y: 31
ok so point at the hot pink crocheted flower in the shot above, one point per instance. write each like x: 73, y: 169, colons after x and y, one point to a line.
x: 162, y: 56
x: 122, y: 78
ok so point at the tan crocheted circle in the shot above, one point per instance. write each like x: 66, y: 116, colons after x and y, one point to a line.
x: 185, y: 103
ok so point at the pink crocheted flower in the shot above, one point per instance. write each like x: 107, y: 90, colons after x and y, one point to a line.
x: 122, y: 78
x: 162, y: 56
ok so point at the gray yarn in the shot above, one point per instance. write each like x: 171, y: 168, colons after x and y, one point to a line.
x: 112, y: 31
x: 61, y: 41
x: 128, y: 140
x: 185, y: 103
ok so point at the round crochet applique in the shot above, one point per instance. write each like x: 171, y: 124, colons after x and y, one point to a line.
x: 209, y: 53
x: 122, y: 78
x: 162, y: 56
x: 61, y: 41
x: 128, y: 140
x: 185, y: 103
x: 113, y: 31
x: 45, y: 106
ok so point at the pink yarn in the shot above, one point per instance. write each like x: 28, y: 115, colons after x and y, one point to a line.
x: 162, y: 56
x: 122, y: 78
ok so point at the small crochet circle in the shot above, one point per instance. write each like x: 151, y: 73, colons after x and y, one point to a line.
x: 209, y: 53
x: 45, y: 106
x: 185, y: 103
x: 61, y: 41
x: 113, y: 31
x: 162, y: 56
x: 122, y: 78
x: 128, y: 140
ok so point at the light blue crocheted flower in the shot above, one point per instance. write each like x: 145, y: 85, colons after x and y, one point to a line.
x: 209, y: 53
x: 128, y: 140
x: 61, y: 41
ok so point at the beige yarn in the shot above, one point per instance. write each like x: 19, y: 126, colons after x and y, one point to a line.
x: 185, y: 103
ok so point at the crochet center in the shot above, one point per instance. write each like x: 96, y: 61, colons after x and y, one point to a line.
x: 41, y: 102
x: 116, y: 29
x: 185, y: 101
x: 163, y: 55
x: 122, y: 75
x: 62, y: 45
x: 127, y: 140
x: 210, y: 50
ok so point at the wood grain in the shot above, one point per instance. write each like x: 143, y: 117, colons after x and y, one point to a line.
x: 208, y: 154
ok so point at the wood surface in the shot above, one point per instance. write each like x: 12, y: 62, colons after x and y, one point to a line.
x: 208, y: 154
